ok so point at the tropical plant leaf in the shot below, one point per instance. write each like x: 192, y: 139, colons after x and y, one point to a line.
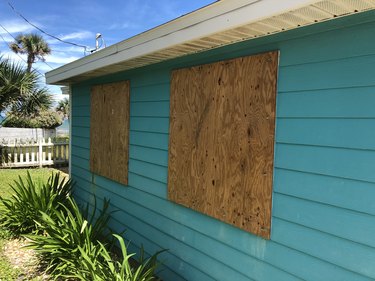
x: 22, y: 212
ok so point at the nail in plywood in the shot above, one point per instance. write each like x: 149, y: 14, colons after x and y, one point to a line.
x: 109, y: 131
x: 222, y: 140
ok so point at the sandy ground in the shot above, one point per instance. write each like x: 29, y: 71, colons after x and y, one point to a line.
x: 24, y: 259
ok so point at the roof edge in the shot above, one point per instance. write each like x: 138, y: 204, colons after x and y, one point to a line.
x: 217, y: 17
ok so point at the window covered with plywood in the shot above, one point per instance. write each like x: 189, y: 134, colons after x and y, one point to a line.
x: 109, y: 131
x: 222, y: 140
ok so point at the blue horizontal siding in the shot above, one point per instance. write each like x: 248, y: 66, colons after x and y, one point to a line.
x: 198, y: 243
x: 336, y: 221
x: 80, y: 162
x: 148, y: 170
x: 82, y: 132
x: 149, y: 139
x: 175, y: 260
x: 339, y: 162
x: 323, y: 213
x: 355, y: 102
x: 81, y: 100
x: 151, y: 186
x: 150, y: 124
x: 351, y: 256
x: 143, y: 79
x: 243, y: 242
x: 81, y: 152
x: 341, y: 73
x: 82, y: 142
x: 81, y: 121
x: 149, y: 109
x: 318, y: 47
x: 135, y: 238
x: 83, y: 173
x: 150, y: 155
x: 336, y: 191
x: 81, y: 111
x: 150, y: 93
x: 328, y: 132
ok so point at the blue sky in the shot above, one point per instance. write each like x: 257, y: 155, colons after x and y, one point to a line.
x: 78, y: 21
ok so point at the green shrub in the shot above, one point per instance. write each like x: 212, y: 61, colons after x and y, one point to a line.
x: 4, y: 234
x: 68, y: 232
x: 105, y: 267
x: 47, y: 119
x: 21, y: 213
x: 60, y: 139
x: 67, y: 239
x: 72, y: 248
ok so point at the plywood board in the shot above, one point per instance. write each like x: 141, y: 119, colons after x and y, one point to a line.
x: 109, y: 131
x: 222, y: 124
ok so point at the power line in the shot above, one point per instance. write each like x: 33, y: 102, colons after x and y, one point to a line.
x: 16, y: 53
x: 46, y: 63
x: 10, y: 34
x: 46, y: 33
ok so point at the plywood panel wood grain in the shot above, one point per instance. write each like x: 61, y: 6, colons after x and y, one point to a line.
x: 222, y: 140
x: 109, y: 131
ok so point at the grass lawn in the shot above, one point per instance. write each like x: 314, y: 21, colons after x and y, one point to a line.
x: 7, y: 177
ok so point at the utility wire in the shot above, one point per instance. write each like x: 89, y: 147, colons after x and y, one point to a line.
x: 46, y: 63
x: 46, y: 33
x: 10, y: 34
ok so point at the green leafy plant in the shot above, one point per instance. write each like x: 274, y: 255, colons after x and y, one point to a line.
x: 47, y: 119
x: 4, y: 234
x: 21, y: 213
x: 68, y: 233
x: 68, y: 239
x: 106, y: 267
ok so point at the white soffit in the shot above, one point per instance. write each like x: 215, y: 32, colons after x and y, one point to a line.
x: 221, y: 23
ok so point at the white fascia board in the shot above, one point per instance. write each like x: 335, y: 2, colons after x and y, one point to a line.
x: 220, y: 16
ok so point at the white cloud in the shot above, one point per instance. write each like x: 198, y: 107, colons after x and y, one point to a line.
x: 14, y: 57
x: 65, y: 49
x: 41, y: 67
x: 60, y: 59
x: 125, y: 25
x: 81, y: 35
x: 16, y: 26
x: 57, y: 60
x: 6, y: 37
x: 78, y: 35
x: 52, y: 60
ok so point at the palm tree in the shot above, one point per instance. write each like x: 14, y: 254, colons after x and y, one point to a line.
x: 20, y: 91
x: 14, y: 82
x: 33, y: 45
x: 32, y: 103
x: 62, y: 108
x: 32, y: 110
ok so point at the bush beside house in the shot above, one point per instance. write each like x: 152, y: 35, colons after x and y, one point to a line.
x: 68, y: 240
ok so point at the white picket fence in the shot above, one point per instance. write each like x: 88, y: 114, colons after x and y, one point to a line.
x: 30, y: 153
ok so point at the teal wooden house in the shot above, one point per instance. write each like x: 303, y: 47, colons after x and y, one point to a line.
x: 240, y: 137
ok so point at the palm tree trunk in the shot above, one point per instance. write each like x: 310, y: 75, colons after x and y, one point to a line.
x: 30, y: 61
x: 29, y: 65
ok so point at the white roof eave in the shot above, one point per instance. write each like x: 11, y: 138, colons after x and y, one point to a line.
x: 216, y: 18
